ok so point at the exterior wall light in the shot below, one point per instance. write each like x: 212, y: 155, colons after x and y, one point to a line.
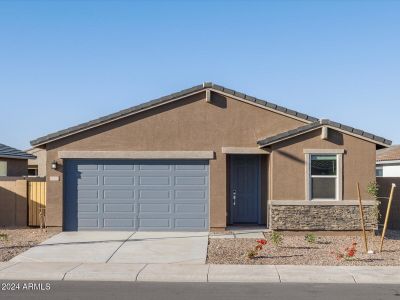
x: 54, y: 165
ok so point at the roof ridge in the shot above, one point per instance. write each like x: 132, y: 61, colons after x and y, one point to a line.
x: 197, y: 88
x: 160, y: 100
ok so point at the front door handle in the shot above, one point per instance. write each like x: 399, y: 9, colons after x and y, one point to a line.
x: 234, y: 197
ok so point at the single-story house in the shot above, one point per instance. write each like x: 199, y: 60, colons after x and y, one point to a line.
x: 388, y: 162
x: 13, y: 162
x: 205, y: 158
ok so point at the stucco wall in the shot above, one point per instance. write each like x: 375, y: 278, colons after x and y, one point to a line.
x: 193, y: 124
x: 288, y: 168
x: 40, y: 160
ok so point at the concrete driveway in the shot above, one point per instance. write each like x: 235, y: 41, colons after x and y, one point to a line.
x: 121, y: 247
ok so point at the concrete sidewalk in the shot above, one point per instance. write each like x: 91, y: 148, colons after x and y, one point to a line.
x: 197, y: 273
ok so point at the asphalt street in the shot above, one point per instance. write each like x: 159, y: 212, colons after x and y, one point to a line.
x: 192, y: 291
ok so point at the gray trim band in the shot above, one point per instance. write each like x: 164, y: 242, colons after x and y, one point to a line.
x: 323, y: 151
x: 244, y: 150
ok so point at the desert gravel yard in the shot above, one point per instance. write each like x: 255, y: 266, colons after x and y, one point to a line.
x: 16, y: 241
x: 295, y: 250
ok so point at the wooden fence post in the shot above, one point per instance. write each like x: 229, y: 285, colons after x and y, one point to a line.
x: 387, y: 216
x: 362, y: 218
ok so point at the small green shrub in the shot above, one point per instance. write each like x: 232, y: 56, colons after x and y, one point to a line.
x: 310, y: 238
x: 277, y: 238
x: 3, y: 236
x: 373, y: 189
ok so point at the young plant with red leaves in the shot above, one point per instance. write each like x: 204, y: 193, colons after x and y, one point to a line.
x: 347, y: 254
x: 256, y: 250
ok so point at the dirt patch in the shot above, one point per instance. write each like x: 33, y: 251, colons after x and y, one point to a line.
x: 295, y: 250
x: 18, y: 240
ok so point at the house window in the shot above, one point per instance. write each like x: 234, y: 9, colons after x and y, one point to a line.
x: 32, y: 170
x: 379, y: 171
x: 323, y: 177
x: 3, y: 168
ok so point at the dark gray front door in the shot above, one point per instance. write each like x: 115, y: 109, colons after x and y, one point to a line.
x: 136, y: 195
x: 244, y: 189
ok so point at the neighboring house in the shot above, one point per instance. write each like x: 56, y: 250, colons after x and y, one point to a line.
x: 388, y: 162
x: 13, y: 162
x: 205, y: 158
x: 37, y: 167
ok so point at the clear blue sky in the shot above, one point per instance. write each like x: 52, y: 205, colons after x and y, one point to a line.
x: 63, y: 63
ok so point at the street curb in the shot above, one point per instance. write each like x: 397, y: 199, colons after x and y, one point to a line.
x: 199, y: 273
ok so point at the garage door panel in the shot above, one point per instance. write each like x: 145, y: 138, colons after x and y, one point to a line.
x: 88, y: 194
x: 155, y: 208
x: 152, y: 194
x: 192, y: 166
x: 190, y: 194
x: 118, y: 166
x: 154, y: 181
x: 151, y: 166
x: 88, y: 167
x: 136, y: 195
x: 88, y: 207
x: 190, y: 180
x: 118, y: 180
x: 155, y: 223
x: 118, y: 194
x: 119, y: 223
x: 118, y: 207
x: 88, y: 180
x: 190, y: 208
x: 189, y: 223
x: 88, y: 222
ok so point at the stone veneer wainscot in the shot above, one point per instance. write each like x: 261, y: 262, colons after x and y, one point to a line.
x: 321, y: 215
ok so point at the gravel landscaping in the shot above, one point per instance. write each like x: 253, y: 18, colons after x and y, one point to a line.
x: 18, y: 240
x: 295, y: 250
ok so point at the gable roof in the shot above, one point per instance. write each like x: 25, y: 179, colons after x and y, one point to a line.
x: 10, y: 152
x: 388, y: 154
x: 324, y: 122
x: 311, y: 122
x: 169, y: 98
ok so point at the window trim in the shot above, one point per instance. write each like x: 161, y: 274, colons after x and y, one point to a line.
x: 338, y: 176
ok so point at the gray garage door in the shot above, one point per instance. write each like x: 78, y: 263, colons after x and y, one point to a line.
x: 135, y: 195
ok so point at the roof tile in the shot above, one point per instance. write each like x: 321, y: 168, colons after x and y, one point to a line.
x: 10, y: 152
x: 125, y: 112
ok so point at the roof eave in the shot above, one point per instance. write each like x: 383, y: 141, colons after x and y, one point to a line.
x: 17, y: 157
x: 168, y: 99
x: 383, y: 144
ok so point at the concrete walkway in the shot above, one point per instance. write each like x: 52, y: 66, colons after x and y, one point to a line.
x: 120, y: 247
x: 197, y: 273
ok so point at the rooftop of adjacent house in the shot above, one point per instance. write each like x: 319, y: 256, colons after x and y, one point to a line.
x: 10, y: 152
x: 387, y: 154
x: 309, y: 120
